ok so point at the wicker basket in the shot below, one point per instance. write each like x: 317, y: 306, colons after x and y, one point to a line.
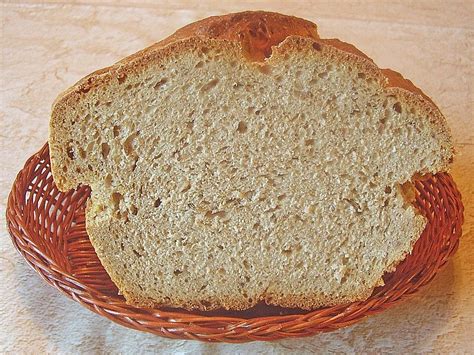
x: 48, y: 229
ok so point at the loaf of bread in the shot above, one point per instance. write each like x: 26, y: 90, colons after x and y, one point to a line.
x: 243, y: 160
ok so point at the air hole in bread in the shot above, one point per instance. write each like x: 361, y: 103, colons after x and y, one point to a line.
x: 199, y: 64
x: 209, y: 86
x: 343, y: 279
x: 361, y: 75
x: 134, y: 163
x: 128, y: 144
x: 323, y: 75
x: 316, y: 46
x: 108, y: 180
x: 82, y: 153
x: 248, y: 194
x: 70, y: 152
x: 356, y: 207
x: 211, y: 214
x: 90, y: 147
x: 116, y: 131
x: 206, y: 304
x: 186, y: 185
x: 157, y: 203
x: 85, y: 89
x: 397, y: 106
x: 133, y: 209
x: 105, y: 149
x: 161, y: 84
x: 272, y: 209
x: 242, y: 127
x: 121, y: 78
x: 116, y: 197
x: 345, y: 260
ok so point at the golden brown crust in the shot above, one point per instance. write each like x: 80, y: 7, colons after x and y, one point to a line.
x: 346, y: 47
x: 256, y: 31
x: 395, y: 79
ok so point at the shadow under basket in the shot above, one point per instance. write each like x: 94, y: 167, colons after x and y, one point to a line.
x: 48, y: 228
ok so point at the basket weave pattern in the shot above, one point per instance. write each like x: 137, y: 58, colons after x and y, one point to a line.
x: 48, y: 229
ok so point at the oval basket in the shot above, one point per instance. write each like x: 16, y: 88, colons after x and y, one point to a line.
x: 48, y: 229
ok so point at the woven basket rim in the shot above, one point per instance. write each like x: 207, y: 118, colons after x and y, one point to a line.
x: 36, y: 212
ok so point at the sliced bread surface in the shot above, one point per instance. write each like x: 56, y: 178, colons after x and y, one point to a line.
x: 244, y: 159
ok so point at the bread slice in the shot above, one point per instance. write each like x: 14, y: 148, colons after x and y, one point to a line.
x: 245, y: 159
